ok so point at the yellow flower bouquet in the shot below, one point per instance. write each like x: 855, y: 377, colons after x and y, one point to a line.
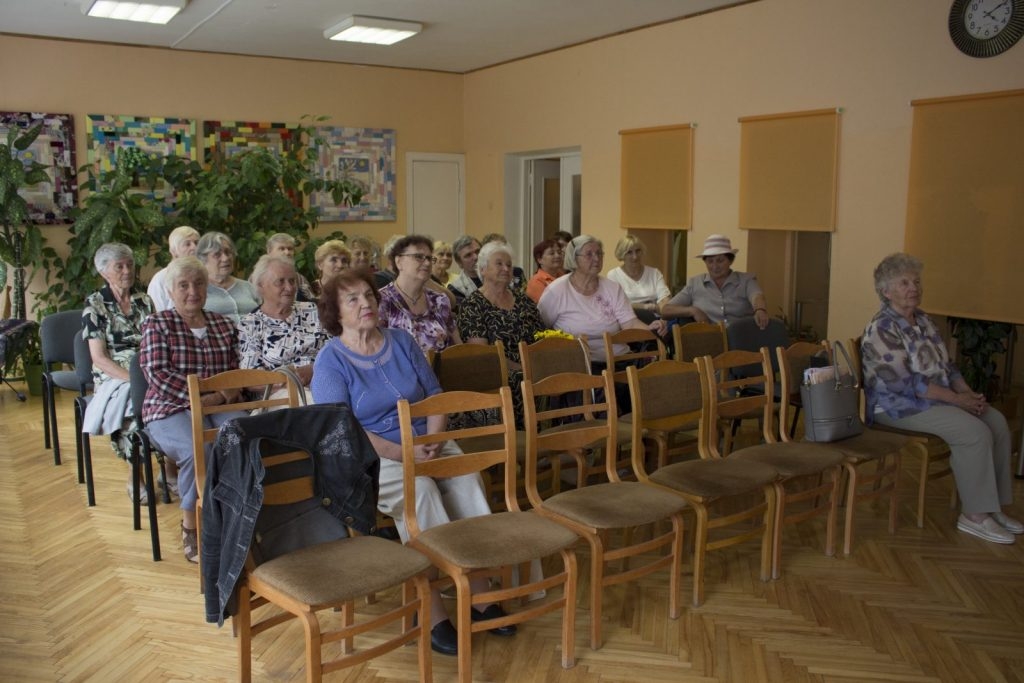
x: 548, y: 334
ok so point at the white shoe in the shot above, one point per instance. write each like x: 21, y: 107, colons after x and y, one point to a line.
x: 1008, y: 523
x: 143, y: 495
x: 988, y: 529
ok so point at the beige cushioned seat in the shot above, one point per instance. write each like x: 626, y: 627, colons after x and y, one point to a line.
x: 613, y: 506
x: 792, y: 459
x: 715, y: 478
x: 498, y: 539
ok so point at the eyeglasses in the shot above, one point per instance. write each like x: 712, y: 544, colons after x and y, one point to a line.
x: 420, y: 258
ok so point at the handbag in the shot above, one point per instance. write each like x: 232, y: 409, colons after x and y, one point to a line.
x: 831, y: 401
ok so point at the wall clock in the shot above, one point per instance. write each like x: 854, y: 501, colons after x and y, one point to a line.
x: 986, y: 28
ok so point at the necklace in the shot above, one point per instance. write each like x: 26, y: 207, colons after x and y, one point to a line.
x: 412, y: 301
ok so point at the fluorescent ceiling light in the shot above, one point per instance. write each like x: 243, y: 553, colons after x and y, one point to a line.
x: 370, y: 30
x: 153, y: 12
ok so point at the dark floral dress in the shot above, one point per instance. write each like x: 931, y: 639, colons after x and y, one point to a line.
x: 478, y: 317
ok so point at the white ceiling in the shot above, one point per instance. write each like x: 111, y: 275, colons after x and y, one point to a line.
x: 458, y: 35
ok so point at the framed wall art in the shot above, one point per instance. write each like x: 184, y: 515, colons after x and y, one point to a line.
x: 153, y: 135
x: 222, y: 139
x: 48, y: 202
x: 363, y: 155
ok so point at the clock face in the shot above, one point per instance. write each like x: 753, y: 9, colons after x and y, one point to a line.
x: 986, y: 28
x: 984, y: 19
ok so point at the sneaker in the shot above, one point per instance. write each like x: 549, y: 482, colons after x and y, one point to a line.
x: 988, y: 529
x: 190, y: 544
x: 143, y: 495
x: 1008, y: 523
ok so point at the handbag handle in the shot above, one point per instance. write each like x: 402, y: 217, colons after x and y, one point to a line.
x: 849, y: 363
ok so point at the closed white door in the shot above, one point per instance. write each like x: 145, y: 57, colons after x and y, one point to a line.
x: 436, y: 198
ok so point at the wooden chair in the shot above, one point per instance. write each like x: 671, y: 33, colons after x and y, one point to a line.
x: 551, y: 356
x: 933, y: 451
x: 808, y: 473
x: 694, y: 340
x: 880, y: 450
x: 596, y: 510
x: 492, y: 544
x: 324, y: 576
x: 202, y: 434
x: 669, y: 395
x: 484, y: 368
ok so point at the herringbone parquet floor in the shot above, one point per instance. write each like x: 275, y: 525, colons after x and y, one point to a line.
x: 83, y: 601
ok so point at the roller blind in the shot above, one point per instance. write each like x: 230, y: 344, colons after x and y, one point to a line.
x: 657, y: 178
x: 788, y: 171
x: 965, y: 204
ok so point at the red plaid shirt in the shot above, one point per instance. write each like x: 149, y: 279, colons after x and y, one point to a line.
x: 170, y: 352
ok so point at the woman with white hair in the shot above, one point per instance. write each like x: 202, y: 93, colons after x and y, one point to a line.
x: 182, y: 242
x: 226, y: 294
x: 282, y: 331
x: 112, y: 324
x: 586, y: 302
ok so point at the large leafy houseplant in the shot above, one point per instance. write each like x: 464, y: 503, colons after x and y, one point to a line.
x: 21, y: 241
x: 978, y: 344
x: 256, y: 193
x: 115, y: 211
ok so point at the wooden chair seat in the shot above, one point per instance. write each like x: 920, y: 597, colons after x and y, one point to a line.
x: 497, y: 539
x: 360, y: 565
x: 871, y: 444
x: 793, y: 459
x: 614, y: 506
x: 715, y: 478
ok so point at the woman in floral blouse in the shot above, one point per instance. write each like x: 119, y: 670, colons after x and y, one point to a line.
x: 112, y: 324
x: 910, y: 383
x: 282, y: 331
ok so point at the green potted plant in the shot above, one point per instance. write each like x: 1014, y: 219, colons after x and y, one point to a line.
x: 978, y: 344
x: 115, y: 211
x: 21, y: 241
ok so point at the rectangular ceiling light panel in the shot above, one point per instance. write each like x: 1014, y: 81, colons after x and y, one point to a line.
x: 155, y: 12
x: 356, y: 29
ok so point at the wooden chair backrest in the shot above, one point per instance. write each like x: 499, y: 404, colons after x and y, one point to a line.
x: 667, y: 395
x: 230, y: 381
x: 553, y: 355
x: 500, y: 443
x: 472, y: 367
x: 645, y: 347
x: 725, y: 398
x: 793, y: 360
x: 694, y: 340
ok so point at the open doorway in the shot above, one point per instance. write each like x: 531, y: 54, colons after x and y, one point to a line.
x: 543, y: 193
x: 794, y: 269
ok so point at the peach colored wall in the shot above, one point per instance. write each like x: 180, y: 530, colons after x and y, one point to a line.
x: 870, y: 57
x: 425, y: 108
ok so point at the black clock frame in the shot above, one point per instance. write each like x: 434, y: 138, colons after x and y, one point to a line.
x: 990, y: 47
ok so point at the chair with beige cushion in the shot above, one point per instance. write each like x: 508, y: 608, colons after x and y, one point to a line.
x: 808, y: 473
x: 694, y: 340
x: 490, y: 545
x: 596, y: 511
x: 872, y: 458
x: 724, y: 493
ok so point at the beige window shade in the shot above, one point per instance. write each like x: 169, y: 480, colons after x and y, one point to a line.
x: 965, y: 204
x: 657, y: 178
x: 788, y: 171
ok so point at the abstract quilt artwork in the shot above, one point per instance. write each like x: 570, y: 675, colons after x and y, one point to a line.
x: 365, y: 156
x: 51, y: 201
x: 222, y: 139
x: 155, y: 136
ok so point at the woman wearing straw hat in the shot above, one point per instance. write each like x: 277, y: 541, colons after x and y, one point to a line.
x: 720, y: 294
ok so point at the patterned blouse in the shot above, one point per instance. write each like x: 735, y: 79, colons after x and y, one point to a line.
x: 433, y: 330
x: 102, y: 318
x: 268, y: 343
x: 900, y: 361
x: 171, y: 351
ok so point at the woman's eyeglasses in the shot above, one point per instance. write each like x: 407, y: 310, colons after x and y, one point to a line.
x: 420, y: 258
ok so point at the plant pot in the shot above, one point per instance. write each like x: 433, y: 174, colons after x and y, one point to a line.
x: 34, y: 379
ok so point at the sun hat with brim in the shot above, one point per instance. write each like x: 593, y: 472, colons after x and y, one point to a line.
x: 715, y: 245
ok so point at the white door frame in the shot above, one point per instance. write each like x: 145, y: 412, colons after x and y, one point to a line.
x: 518, y: 198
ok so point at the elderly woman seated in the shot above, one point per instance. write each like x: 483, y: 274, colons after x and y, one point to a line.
x: 644, y: 285
x: 226, y: 294
x: 371, y: 367
x: 112, y: 323
x: 282, y: 244
x: 910, y: 383
x: 331, y: 258
x: 180, y: 341
x: 282, y: 331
